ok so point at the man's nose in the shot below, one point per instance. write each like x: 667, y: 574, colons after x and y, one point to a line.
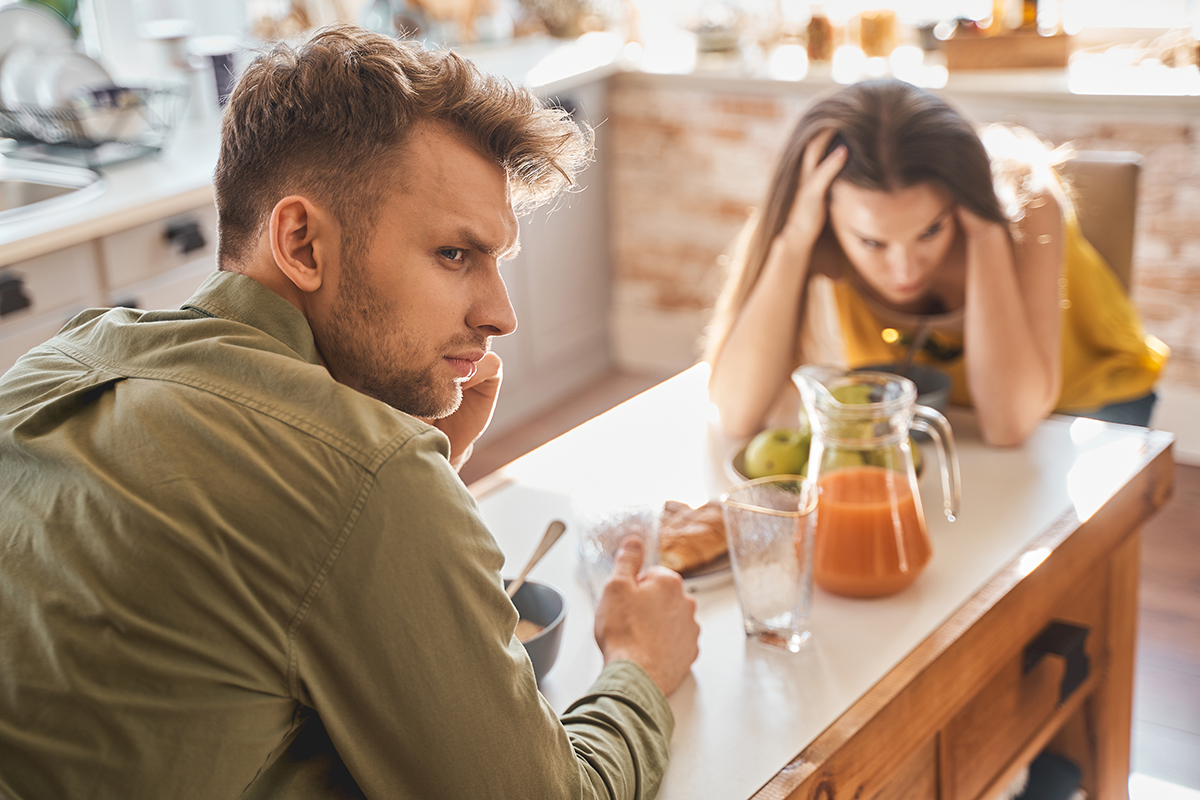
x: 492, y: 312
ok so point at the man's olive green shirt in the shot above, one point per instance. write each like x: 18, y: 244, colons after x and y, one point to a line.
x: 224, y: 574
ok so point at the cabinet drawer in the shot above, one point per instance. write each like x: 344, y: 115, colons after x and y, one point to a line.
x: 990, y: 731
x: 50, y: 288
x: 167, y: 290
x: 917, y: 779
x: 142, y: 253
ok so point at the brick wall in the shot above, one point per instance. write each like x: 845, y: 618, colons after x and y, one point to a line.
x: 688, y: 158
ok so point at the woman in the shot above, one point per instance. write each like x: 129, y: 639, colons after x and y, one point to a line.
x: 887, y: 210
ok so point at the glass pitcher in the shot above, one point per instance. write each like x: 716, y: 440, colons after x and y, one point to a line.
x: 870, y: 537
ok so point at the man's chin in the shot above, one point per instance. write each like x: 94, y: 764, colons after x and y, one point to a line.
x: 427, y: 407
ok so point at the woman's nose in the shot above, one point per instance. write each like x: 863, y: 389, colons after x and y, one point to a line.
x: 902, y: 263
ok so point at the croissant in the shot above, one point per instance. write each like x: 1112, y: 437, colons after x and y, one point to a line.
x: 690, y: 537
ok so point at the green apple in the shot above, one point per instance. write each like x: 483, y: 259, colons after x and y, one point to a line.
x: 777, y: 451
x: 839, y: 457
x: 853, y: 394
x: 883, y: 457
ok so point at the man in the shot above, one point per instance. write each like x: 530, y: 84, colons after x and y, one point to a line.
x: 234, y: 561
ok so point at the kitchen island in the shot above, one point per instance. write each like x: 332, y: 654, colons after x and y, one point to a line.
x: 921, y: 695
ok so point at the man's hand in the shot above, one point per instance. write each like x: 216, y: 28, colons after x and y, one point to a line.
x: 647, y: 619
x: 468, y: 423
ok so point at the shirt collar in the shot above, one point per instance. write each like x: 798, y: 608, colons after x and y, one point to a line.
x: 237, y: 297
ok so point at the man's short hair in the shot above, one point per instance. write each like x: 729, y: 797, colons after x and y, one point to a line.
x: 326, y: 119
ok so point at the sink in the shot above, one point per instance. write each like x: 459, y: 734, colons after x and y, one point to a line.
x: 30, y: 189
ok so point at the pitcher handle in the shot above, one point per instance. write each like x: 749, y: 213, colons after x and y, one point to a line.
x: 933, y: 423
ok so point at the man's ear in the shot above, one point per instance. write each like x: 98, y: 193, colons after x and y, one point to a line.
x: 303, y: 238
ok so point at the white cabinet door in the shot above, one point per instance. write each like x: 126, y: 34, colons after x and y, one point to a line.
x: 560, y: 288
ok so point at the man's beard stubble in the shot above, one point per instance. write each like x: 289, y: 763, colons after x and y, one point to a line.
x: 363, y: 363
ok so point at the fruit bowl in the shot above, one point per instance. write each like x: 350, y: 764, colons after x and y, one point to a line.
x: 735, y: 462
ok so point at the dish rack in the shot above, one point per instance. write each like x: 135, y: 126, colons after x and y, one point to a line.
x: 105, y: 126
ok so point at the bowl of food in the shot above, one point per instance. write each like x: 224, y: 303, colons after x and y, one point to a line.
x: 774, y: 451
x: 542, y: 611
x: 933, y: 384
x: 746, y: 462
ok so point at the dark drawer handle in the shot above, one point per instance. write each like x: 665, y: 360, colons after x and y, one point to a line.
x: 186, y: 234
x: 12, y: 295
x: 1066, y: 640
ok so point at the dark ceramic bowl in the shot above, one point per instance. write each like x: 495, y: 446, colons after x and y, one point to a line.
x: 544, y: 605
x: 933, y: 385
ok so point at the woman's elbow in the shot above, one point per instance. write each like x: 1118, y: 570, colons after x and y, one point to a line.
x: 1014, y: 428
x: 1006, y: 434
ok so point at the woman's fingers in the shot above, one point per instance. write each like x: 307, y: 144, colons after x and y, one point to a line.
x: 807, y: 216
x: 828, y: 169
x: 813, y: 153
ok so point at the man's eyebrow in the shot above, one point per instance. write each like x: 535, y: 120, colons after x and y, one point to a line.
x: 499, y: 252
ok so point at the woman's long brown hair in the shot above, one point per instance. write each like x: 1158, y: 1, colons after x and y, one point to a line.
x: 897, y: 136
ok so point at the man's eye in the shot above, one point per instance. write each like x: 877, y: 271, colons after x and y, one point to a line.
x: 933, y: 231
x: 453, y: 254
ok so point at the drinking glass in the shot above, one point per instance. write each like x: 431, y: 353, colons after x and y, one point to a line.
x: 769, y: 525
x: 602, y: 526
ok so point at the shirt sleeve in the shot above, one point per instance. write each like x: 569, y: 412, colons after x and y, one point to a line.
x: 406, y: 652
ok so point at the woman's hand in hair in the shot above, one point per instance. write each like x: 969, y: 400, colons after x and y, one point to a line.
x: 973, y: 225
x: 806, y: 219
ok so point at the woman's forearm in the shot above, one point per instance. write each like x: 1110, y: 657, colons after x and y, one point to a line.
x: 1011, y: 335
x: 753, y: 365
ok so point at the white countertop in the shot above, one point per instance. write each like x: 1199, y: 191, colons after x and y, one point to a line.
x: 749, y: 708
x: 179, y: 178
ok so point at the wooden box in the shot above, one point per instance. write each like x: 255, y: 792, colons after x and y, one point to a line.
x: 1015, y: 50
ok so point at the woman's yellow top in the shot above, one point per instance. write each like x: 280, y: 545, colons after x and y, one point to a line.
x: 1107, y: 357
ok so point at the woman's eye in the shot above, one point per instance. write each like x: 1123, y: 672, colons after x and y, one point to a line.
x: 933, y: 231
x: 871, y: 244
x: 456, y: 254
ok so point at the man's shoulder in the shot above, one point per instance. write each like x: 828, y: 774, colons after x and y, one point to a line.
x: 172, y: 363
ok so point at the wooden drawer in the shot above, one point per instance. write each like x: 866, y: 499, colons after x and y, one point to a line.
x: 995, y: 727
x: 57, y: 286
x: 917, y: 779
x: 146, y: 252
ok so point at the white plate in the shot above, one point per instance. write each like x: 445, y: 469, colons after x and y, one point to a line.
x: 718, y: 572
x: 19, y: 74
x: 66, y: 75
x: 32, y: 27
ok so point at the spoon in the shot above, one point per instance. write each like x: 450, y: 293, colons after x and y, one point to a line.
x: 553, y: 531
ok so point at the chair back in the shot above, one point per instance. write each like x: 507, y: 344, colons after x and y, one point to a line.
x: 1104, y: 188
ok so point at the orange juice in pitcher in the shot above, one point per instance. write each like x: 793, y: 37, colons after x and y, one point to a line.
x: 870, y: 538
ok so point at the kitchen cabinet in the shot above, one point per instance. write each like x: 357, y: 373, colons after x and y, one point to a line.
x: 42, y: 293
x: 559, y: 285
x: 154, y: 265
